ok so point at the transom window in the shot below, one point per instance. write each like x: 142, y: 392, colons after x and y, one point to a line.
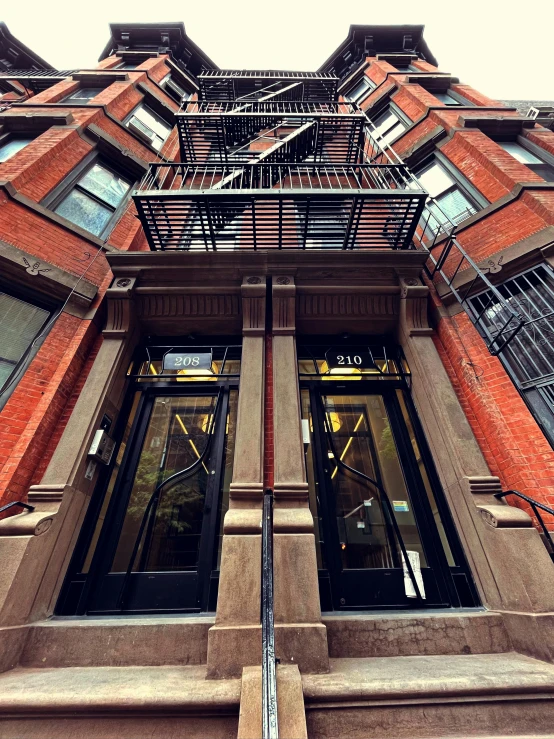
x: 20, y: 324
x: 149, y: 125
x: 523, y: 155
x: 10, y: 147
x: 361, y: 90
x: 94, y: 198
x: 388, y: 126
x: 83, y: 95
x: 449, y: 204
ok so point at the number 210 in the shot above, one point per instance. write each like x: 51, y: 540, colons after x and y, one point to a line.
x: 348, y: 360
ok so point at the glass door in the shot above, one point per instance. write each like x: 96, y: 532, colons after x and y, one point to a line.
x: 157, y: 552
x: 382, y: 542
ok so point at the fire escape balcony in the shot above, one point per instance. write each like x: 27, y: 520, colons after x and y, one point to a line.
x: 234, y: 84
x: 236, y: 131
x: 283, y: 205
x: 35, y: 80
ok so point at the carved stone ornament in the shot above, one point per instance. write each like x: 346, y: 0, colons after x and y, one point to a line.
x: 123, y: 282
x: 254, y: 280
x: 34, y: 269
x: 413, y: 307
x: 253, y: 290
x: 283, y: 280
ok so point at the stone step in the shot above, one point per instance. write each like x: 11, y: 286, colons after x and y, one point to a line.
x: 431, y: 697
x: 397, y: 634
x: 117, y: 703
x: 117, y: 642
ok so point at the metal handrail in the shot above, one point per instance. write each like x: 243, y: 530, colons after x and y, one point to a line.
x: 535, y: 505
x: 270, y: 722
x: 269, y: 107
x: 14, y: 503
x: 285, y: 175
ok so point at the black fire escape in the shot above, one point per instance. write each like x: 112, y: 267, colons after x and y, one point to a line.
x: 273, y: 160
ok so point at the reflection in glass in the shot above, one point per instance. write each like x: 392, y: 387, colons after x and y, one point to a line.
x: 177, y: 437
x: 362, y: 439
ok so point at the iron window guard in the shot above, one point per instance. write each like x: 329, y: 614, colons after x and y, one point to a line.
x: 270, y: 722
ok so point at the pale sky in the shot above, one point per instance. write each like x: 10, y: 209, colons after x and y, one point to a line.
x: 500, y: 47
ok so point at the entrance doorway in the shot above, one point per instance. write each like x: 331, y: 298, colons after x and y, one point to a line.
x: 384, y: 534
x: 152, y: 539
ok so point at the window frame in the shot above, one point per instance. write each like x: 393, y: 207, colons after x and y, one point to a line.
x: 546, y: 157
x: 70, y: 98
x: 60, y: 192
x: 8, y: 136
x: 140, y: 134
x: 371, y: 86
x: 460, y: 100
x: 390, y: 107
x: 25, y: 295
x: 474, y: 197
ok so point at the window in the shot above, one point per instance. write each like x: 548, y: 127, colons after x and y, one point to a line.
x: 450, y: 204
x: 529, y: 356
x: 82, y: 95
x: 148, y: 125
x: 173, y: 89
x: 388, y: 126
x: 405, y: 68
x: 94, y: 199
x: 128, y: 66
x: 10, y: 146
x: 20, y: 324
x: 361, y: 90
x: 446, y: 98
x: 523, y: 155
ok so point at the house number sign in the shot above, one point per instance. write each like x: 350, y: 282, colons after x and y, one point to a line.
x: 342, y: 358
x: 187, y: 360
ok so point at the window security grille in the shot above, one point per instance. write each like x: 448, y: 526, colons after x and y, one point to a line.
x: 529, y: 356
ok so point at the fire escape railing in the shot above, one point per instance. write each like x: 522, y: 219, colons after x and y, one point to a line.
x: 450, y: 263
x: 278, y: 205
x: 270, y: 722
x: 35, y: 80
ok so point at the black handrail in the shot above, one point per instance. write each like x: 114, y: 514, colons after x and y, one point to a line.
x: 384, y: 498
x: 19, y: 503
x: 270, y: 724
x: 535, y: 505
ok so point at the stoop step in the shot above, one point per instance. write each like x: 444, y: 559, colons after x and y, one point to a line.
x: 431, y: 697
x: 117, y: 642
x: 117, y: 703
x: 401, y: 633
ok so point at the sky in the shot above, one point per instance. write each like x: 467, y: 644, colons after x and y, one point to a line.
x: 501, y: 48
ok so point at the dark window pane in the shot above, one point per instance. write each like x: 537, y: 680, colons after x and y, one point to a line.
x: 82, y: 210
x: 20, y: 322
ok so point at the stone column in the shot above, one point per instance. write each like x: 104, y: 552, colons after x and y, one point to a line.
x: 301, y: 638
x: 62, y: 498
x: 509, y: 563
x: 235, y: 640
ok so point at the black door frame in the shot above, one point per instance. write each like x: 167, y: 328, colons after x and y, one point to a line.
x: 438, y: 572
x: 89, y: 585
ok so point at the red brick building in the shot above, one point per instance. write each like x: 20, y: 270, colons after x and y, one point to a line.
x: 337, y: 285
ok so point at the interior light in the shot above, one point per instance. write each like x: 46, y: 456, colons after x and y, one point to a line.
x: 334, y: 420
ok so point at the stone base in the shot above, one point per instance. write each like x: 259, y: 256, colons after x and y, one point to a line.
x: 489, y: 695
x: 290, y: 712
x: 231, y: 648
